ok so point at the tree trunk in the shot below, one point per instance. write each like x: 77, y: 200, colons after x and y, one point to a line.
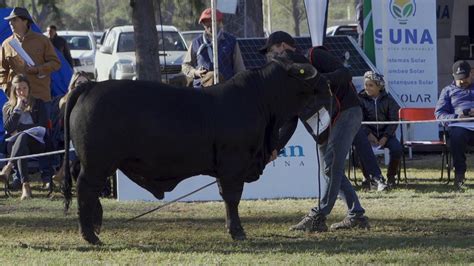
x: 296, y: 16
x: 247, y: 21
x: 254, y: 18
x: 146, y: 40
x: 97, y: 15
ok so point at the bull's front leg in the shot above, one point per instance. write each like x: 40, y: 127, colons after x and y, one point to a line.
x: 231, y: 192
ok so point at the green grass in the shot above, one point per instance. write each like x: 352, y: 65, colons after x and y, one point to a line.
x: 424, y: 222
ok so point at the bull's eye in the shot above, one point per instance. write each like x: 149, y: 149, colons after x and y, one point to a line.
x: 301, y: 71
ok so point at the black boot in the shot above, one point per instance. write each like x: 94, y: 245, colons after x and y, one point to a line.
x: 392, y: 171
x: 459, y: 181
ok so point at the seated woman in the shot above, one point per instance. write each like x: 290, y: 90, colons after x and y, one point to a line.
x: 378, y: 105
x: 25, y: 120
x: 58, y: 106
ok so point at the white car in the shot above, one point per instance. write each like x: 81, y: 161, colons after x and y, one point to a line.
x: 83, y: 48
x: 116, y: 57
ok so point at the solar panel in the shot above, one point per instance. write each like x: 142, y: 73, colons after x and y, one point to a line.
x: 340, y: 46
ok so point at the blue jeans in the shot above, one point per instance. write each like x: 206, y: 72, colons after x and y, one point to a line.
x: 460, y: 138
x: 333, y: 154
x: 395, y: 148
x: 366, y: 155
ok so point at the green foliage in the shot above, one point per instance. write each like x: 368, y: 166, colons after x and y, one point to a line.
x: 424, y: 221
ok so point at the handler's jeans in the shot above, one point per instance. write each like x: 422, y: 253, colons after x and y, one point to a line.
x: 460, y: 138
x: 333, y: 154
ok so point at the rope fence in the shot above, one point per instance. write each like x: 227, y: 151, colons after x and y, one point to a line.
x: 467, y: 119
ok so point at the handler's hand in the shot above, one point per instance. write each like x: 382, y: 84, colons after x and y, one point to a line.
x: 200, y: 73
x: 383, y: 141
x: 372, y: 139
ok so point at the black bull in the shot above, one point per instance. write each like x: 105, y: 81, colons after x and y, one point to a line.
x: 159, y: 135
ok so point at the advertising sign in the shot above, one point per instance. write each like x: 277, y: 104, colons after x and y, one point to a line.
x: 293, y: 174
x: 405, y: 51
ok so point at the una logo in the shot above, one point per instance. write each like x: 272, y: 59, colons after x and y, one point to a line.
x: 401, y: 10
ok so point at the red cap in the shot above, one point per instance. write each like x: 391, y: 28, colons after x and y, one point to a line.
x: 207, y: 14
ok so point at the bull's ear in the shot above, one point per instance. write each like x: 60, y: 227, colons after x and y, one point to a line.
x: 303, y: 71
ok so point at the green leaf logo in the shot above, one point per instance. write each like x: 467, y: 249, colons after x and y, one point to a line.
x: 397, y: 11
x: 408, y: 10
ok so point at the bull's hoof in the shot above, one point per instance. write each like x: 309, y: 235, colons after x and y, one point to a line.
x: 92, y: 239
x: 97, y: 228
x: 238, y: 234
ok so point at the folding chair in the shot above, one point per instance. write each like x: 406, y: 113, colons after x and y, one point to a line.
x: 417, y: 114
x: 353, y: 162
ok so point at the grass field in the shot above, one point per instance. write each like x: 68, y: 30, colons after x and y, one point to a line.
x: 424, y: 222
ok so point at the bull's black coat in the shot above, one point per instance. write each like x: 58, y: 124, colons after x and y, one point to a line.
x: 159, y: 135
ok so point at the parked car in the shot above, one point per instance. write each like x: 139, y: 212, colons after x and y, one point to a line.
x: 97, y: 35
x: 349, y: 29
x: 116, y: 57
x: 189, y: 36
x: 83, y: 48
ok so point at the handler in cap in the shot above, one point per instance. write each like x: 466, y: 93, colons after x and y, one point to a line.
x: 345, y: 117
x: 37, y: 46
x: 198, y: 62
x: 457, y: 101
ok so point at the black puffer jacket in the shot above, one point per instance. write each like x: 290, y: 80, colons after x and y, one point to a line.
x: 384, y: 108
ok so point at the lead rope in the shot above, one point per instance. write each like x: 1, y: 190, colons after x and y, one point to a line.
x: 170, y: 202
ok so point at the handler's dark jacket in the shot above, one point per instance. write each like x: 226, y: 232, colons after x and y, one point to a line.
x: 335, y: 78
x: 383, y: 108
x: 11, y: 120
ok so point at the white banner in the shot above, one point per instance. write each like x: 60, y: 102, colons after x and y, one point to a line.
x: 316, y: 14
x: 405, y: 51
x: 293, y: 174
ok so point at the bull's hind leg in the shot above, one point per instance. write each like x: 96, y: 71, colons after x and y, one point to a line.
x: 231, y: 191
x: 90, y: 209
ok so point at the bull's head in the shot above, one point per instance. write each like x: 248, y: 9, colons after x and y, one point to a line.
x: 296, y: 65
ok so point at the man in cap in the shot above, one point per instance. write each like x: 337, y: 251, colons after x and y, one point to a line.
x: 346, y: 117
x: 199, y: 58
x: 457, y: 101
x: 45, y: 60
x: 37, y: 46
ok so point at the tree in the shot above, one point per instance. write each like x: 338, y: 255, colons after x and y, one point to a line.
x: 44, y: 10
x: 296, y: 10
x: 146, y: 40
x: 97, y: 15
x: 247, y: 21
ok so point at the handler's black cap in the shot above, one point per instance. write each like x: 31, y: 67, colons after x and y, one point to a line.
x: 275, y: 38
x: 461, y: 70
x: 19, y: 12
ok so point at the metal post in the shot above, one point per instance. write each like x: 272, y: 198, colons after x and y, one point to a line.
x: 214, y: 41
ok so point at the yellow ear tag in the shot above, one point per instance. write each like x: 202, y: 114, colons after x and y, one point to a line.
x: 301, y: 71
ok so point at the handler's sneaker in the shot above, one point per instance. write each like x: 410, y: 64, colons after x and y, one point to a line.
x: 311, y: 223
x: 361, y: 222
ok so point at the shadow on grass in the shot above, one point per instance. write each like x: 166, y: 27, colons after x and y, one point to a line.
x: 265, y: 234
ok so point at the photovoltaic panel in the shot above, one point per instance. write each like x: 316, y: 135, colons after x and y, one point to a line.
x: 340, y: 46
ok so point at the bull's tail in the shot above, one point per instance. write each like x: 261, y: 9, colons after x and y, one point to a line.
x: 71, y: 102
